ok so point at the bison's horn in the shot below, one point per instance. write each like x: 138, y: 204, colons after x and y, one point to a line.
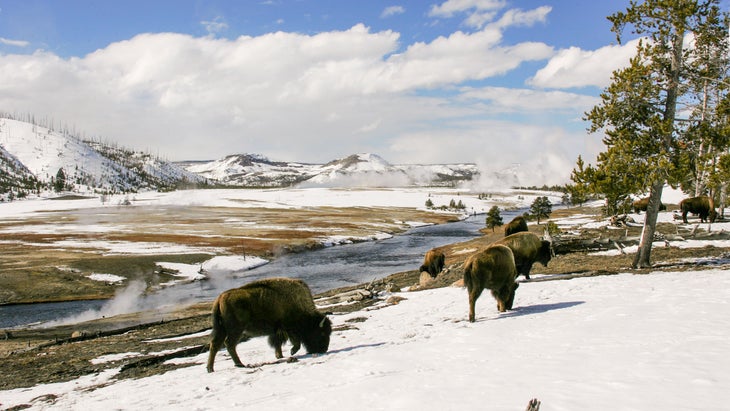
x: 321, y: 323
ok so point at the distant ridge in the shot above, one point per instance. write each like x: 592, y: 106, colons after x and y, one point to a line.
x: 364, y: 169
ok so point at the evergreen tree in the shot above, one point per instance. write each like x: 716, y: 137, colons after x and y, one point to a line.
x: 59, y: 184
x: 541, y: 207
x: 494, y: 219
x: 638, y: 110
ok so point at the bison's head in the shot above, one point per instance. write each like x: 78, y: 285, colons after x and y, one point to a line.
x: 546, y: 252
x: 511, y: 297
x: 316, y: 338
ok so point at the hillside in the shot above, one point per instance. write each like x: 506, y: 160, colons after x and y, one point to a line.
x: 31, y: 157
x: 369, y: 170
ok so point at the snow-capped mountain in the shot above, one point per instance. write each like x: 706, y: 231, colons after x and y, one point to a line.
x: 33, y: 151
x: 355, y: 170
x: 252, y: 170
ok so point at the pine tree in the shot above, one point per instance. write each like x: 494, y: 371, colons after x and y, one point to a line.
x: 494, y: 219
x: 59, y: 184
x: 638, y: 110
x: 541, y: 207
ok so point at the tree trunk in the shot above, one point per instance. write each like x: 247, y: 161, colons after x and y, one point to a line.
x: 643, y: 254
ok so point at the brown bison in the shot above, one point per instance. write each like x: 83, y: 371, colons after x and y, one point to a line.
x: 281, y: 308
x: 492, y: 268
x: 642, y: 204
x: 517, y: 225
x: 433, y: 262
x: 702, y: 205
x: 527, y: 249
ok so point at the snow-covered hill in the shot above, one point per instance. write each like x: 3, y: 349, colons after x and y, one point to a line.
x: 31, y: 151
x: 365, y: 169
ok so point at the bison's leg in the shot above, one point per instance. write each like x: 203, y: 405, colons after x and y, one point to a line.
x: 684, y: 216
x: 234, y: 335
x: 216, y: 342
x: 500, y: 301
x: 276, y: 339
x: 474, y: 293
x: 296, y: 344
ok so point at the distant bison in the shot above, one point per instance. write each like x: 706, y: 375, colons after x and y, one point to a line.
x: 527, y: 248
x: 281, y: 308
x: 433, y: 262
x: 517, y: 225
x: 642, y: 204
x: 702, y: 205
x: 492, y: 268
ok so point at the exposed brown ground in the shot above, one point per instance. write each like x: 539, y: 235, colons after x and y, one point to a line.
x: 35, y: 268
x: 33, y: 357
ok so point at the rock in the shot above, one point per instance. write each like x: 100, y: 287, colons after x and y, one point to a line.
x: 458, y: 283
x: 394, y: 299
x: 425, y: 279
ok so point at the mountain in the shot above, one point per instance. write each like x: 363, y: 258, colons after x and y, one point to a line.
x: 363, y: 169
x: 251, y: 170
x: 29, y: 152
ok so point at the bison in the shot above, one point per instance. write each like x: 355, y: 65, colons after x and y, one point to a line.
x: 702, y: 205
x: 517, y: 225
x: 527, y: 249
x: 280, y: 308
x: 642, y: 204
x: 433, y: 262
x: 492, y: 268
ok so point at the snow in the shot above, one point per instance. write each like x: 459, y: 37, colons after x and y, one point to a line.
x: 107, y: 278
x: 621, y: 342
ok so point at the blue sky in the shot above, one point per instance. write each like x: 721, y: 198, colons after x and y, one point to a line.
x: 495, y: 82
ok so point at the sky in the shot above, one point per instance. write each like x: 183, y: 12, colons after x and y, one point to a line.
x: 492, y: 82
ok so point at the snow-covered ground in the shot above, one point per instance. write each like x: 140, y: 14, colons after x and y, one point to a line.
x: 656, y: 341
x: 623, y: 342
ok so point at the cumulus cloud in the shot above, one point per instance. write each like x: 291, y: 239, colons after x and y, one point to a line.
x: 574, y: 67
x: 392, y: 11
x: 291, y: 96
x: 504, y: 99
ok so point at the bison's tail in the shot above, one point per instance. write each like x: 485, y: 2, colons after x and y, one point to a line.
x: 468, y: 275
x: 217, y: 319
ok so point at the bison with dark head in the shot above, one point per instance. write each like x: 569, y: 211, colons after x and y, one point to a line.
x: 643, y: 203
x: 527, y: 248
x: 433, y: 262
x: 704, y: 206
x: 517, y: 225
x: 494, y: 269
x: 281, y: 308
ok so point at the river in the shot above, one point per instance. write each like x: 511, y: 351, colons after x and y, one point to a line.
x: 322, y: 270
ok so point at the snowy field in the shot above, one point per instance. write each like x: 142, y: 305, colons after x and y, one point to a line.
x: 623, y: 342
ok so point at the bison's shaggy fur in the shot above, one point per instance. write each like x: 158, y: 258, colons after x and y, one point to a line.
x: 492, y: 268
x: 527, y: 249
x: 704, y: 206
x: 433, y: 262
x: 517, y: 225
x: 643, y: 203
x: 281, y: 308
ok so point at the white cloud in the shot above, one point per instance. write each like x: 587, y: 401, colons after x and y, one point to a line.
x: 574, y: 67
x: 392, y: 11
x: 215, y: 26
x: 504, y: 99
x: 451, y: 7
x: 15, y: 43
x: 289, y: 96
